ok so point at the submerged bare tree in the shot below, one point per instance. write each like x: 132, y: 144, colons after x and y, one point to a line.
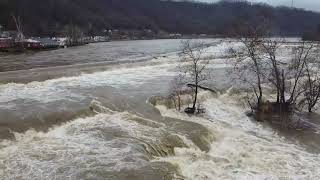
x: 249, y: 62
x: 297, y: 69
x: 312, y: 91
x: 258, y: 60
x: 194, y: 66
x: 176, y: 89
x: 310, y: 85
x: 296, y: 80
x: 275, y: 74
x: 249, y: 65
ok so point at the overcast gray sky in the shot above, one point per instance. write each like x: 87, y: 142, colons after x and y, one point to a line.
x: 307, y: 4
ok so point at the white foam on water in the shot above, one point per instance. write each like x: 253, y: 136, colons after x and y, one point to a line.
x: 67, y: 88
x: 243, y: 149
x: 110, y: 141
x: 64, y: 88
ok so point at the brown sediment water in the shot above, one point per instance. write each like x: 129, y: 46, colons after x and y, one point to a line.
x: 48, y: 122
x: 301, y: 128
x: 83, y: 113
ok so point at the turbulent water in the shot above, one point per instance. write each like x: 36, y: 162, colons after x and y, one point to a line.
x: 84, y: 113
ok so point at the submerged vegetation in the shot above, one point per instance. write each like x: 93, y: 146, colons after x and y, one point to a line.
x: 289, y: 70
x: 194, y: 68
x: 282, y: 78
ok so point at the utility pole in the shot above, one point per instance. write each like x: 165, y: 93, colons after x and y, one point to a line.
x: 292, y: 4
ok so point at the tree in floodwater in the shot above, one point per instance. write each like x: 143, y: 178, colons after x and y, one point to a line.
x: 249, y: 64
x: 194, y: 66
x: 270, y: 48
x: 259, y: 62
x: 176, y: 89
x: 295, y: 80
x: 310, y: 88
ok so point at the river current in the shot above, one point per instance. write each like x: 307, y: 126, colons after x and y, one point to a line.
x: 85, y: 113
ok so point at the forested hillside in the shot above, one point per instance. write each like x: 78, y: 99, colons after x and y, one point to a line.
x: 50, y: 17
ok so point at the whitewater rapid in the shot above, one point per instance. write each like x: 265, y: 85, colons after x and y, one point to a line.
x: 124, y: 137
x: 243, y: 149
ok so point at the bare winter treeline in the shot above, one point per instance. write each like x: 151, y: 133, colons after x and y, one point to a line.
x: 51, y: 17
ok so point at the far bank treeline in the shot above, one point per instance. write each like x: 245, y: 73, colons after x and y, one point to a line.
x: 50, y: 17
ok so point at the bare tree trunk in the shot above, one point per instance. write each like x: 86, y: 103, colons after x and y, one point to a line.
x: 179, y: 102
x: 310, y: 91
x: 195, y: 98
x: 196, y: 90
x: 278, y: 82
x: 310, y: 108
x: 314, y: 101
x: 313, y: 92
x: 259, y: 85
x: 174, y: 101
x: 194, y: 66
x: 283, y: 87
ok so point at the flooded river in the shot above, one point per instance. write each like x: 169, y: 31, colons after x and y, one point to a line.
x: 84, y: 113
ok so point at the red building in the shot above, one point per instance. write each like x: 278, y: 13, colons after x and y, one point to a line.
x: 6, y: 43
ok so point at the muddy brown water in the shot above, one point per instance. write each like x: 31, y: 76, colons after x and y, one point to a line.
x: 44, y: 92
x: 48, y: 130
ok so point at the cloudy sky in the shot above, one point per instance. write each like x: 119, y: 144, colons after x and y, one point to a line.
x: 307, y: 4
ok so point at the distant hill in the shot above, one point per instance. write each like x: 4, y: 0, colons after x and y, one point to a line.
x: 50, y: 17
